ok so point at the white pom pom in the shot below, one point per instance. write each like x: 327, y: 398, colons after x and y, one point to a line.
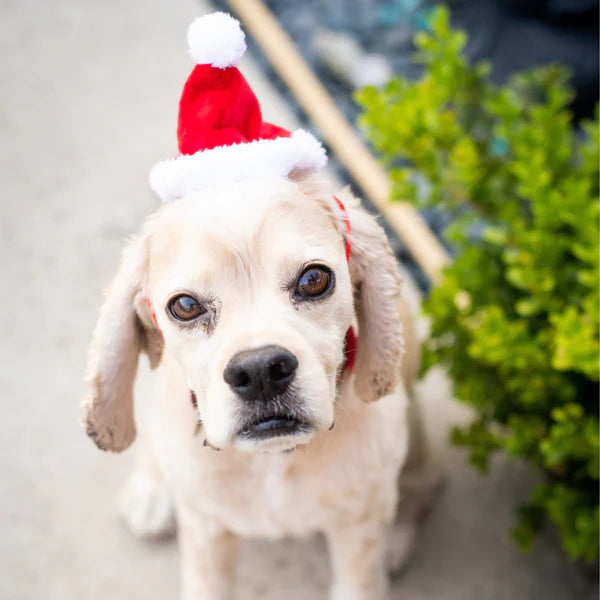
x: 216, y: 39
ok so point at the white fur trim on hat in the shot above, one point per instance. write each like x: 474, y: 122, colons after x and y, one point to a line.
x: 216, y: 39
x: 178, y: 177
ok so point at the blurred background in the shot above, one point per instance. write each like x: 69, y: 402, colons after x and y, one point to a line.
x: 89, y: 104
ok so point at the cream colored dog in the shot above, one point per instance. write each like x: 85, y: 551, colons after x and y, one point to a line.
x: 253, y: 297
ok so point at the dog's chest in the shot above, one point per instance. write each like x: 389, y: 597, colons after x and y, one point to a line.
x: 269, y: 496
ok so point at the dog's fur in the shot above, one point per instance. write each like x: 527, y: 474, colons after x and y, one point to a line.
x: 238, y: 246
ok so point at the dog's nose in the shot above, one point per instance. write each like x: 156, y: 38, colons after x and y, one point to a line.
x: 261, y: 374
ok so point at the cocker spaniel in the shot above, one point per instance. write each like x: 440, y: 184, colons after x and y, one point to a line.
x: 270, y: 307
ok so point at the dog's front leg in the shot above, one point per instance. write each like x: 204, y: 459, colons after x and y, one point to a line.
x: 358, y: 561
x: 208, y: 556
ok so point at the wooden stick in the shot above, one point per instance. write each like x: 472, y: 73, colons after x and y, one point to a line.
x: 340, y: 136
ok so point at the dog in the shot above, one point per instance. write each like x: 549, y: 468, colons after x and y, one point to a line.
x: 270, y: 308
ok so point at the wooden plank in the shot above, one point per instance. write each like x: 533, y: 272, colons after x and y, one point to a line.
x: 340, y: 135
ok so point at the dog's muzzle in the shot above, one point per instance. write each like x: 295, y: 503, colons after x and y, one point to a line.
x: 261, y: 378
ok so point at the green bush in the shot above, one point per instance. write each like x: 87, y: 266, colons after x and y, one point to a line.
x: 515, y: 319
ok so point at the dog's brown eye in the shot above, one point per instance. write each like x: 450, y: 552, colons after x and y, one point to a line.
x: 186, y: 308
x: 314, y: 282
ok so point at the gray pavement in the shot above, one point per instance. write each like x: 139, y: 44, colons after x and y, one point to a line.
x: 88, y: 100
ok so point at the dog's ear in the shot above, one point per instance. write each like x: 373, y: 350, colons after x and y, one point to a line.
x: 376, y: 279
x: 124, y: 328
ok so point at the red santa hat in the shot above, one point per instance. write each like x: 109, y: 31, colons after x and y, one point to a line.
x: 220, y: 131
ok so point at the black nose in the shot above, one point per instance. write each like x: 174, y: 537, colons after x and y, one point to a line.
x: 261, y: 374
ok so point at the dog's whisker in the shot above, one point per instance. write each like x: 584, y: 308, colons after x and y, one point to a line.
x: 337, y: 404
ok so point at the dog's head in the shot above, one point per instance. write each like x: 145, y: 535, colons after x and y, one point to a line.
x: 248, y: 287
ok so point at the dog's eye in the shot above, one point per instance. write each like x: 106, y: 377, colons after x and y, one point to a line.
x: 313, y: 282
x: 186, y: 308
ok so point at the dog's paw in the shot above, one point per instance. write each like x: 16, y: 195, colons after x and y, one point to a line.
x: 146, y: 506
x: 400, y: 542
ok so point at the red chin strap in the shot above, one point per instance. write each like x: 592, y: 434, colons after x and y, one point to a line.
x: 346, y: 220
x: 153, y: 315
x: 350, y: 350
x: 351, y: 341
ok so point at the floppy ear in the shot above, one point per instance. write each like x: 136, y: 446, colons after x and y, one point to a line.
x: 124, y: 328
x: 376, y: 281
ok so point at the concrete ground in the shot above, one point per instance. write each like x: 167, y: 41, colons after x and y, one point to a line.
x: 88, y: 104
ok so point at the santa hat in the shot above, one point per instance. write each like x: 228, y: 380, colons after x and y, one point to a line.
x: 220, y: 131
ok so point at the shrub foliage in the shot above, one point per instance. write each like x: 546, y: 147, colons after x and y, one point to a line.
x: 515, y: 319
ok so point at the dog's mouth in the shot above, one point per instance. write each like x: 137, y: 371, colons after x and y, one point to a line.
x: 274, y: 426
